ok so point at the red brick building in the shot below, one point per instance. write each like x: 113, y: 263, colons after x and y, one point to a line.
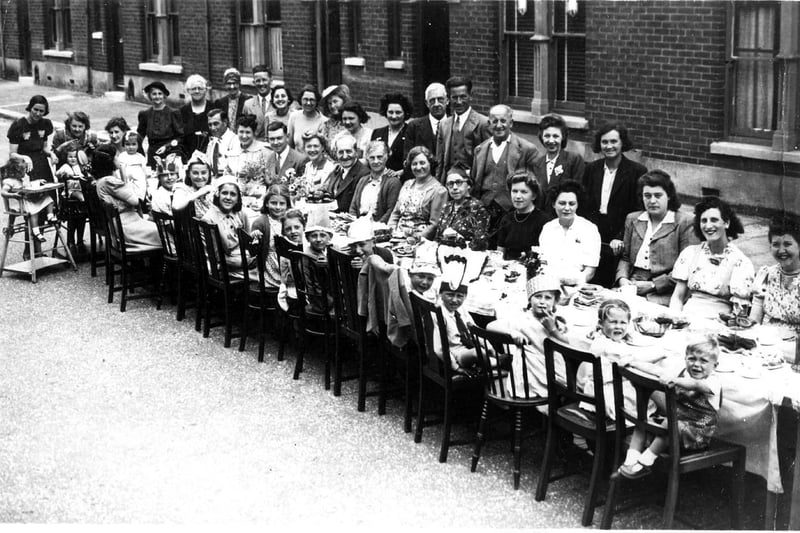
x: 708, y: 90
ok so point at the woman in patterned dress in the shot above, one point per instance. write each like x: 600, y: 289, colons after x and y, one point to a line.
x: 463, y: 214
x: 777, y: 287
x: 419, y: 205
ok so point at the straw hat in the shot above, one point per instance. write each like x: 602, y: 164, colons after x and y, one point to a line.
x: 319, y: 220
x: 361, y: 230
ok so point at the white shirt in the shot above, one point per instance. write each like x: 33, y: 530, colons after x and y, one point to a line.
x: 227, y: 144
x: 434, y: 124
x: 497, y: 150
x: 369, y: 195
x: 459, y: 120
x: 605, y: 192
x: 282, y: 157
x: 453, y: 336
x: 643, y: 257
x: 568, y: 250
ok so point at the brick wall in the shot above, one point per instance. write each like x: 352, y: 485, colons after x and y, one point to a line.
x: 299, y: 44
x: 11, y: 29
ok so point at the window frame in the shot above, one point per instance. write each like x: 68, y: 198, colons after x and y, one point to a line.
x: 394, y: 21
x: 58, y: 25
x: 354, y: 41
x: 267, y: 33
x: 162, y: 32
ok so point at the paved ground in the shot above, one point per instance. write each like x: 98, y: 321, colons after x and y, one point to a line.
x: 128, y: 418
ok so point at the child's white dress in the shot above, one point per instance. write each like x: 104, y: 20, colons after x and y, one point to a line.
x: 134, y: 172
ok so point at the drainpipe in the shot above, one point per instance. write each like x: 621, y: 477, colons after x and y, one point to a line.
x: 208, y: 45
x: 89, y: 54
x: 3, y: 40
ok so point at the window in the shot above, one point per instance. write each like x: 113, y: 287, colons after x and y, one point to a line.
x: 354, y: 31
x: 260, y: 35
x: 163, y: 40
x: 763, y: 79
x: 544, y: 55
x: 59, y: 26
x: 394, y: 19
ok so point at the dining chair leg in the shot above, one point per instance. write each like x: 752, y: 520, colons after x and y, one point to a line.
x: 517, y: 447
x: 608, y: 511
x: 326, y: 342
x: 92, y: 251
x: 245, y: 325
x: 737, y: 490
x: 672, y: 499
x: 199, y: 302
x: 228, y: 319
x: 162, y: 285
x: 262, y: 336
x: 420, y: 413
x: 448, y: 422
x: 547, y: 464
x: 207, y: 315
x: 8, y: 232
x: 480, y: 437
x: 362, y: 381
x: 298, y: 364
x: 123, y: 302
x: 409, y: 404
x: 283, y: 334
x: 337, y: 370
x: 383, y: 378
x: 110, y: 281
x: 594, y: 482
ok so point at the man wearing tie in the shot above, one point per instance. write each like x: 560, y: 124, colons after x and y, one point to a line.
x: 234, y: 102
x: 261, y: 103
x: 282, y: 157
x: 496, y: 159
x: 341, y: 184
x: 220, y: 142
x: 461, y: 133
x: 422, y: 131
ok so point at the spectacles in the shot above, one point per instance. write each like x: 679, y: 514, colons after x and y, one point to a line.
x: 456, y: 183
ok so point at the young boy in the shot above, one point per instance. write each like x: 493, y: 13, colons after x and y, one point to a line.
x: 362, y: 238
x: 463, y: 356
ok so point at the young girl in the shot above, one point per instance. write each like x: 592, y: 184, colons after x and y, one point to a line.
x: 269, y: 224
x: 71, y: 173
x: 15, y: 178
x: 132, y: 164
x: 697, y: 396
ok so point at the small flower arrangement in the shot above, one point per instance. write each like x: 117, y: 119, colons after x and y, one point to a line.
x: 252, y: 175
x: 298, y: 188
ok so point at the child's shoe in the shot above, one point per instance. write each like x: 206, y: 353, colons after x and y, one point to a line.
x: 635, y: 471
x: 41, y: 236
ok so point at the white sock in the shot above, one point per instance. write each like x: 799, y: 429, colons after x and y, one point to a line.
x: 648, y: 457
x: 632, y: 457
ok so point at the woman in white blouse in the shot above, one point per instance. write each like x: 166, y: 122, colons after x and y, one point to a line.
x: 570, y: 243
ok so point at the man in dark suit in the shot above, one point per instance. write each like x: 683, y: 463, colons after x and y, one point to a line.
x: 495, y: 160
x: 460, y: 133
x: 233, y: 103
x: 282, y: 157
x: 422, y: 131
x: 611, y: 187
x: 341, y: 184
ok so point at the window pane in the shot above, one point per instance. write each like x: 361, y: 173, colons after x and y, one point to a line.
x: 67, y: 26
x: 175, y: 36
x: 273, y: 13
x: 520, y: 50
x: 570, y: 47
x: 517, y: 22
x: 246, y: 11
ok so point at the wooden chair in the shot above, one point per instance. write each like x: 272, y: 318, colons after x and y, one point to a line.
x: 675, y: 460
x: 288, y: 319
x: 97, y: 229
x: 190, y: 258
x: 438, y: 371
x: 351, y: 328
x: 506, y: 387
x: 135, y: 262
x: 565, y: 414
x: 170, y: 268
x: 257, y: 297
x: 408, y: 359
x: 218, y: 280
x: 311, y: 281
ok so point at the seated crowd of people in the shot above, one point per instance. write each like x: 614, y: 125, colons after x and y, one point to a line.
x: 461, y: 178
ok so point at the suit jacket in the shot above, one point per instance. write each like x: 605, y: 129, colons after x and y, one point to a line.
x: 253, y: 107
x: 387, y: 197
x: 475, y: 131
x: 572, y: 168
x: 623, y: 198
x: 419, y: 133
x: 223, y: 102
x: 666, y: 245
x: 396, y: 153
x: 343, y: 191
x: 294, y: 159
x: 521, y: 155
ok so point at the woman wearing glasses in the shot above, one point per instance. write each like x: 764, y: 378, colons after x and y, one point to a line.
x: 463, y: 214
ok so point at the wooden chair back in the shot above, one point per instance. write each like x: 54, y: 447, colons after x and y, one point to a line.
x: 425, y: 314
x: 166, y: 233
x: 214, y: 253
x: 505, y: 365
x: 344, y: 289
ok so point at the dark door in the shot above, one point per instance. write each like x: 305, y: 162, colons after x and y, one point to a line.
x: 434, y: 46
x: 116, y: 41
x: 329, y: 45
x: 24, y: 26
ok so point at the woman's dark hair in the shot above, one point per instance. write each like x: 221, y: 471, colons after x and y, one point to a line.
x: 103, y: 161
x: 735, y: 227
x: 247, y: 121
x: 458, y: 170
x: 784, y: 224
x: 566, y: 186
x: 78, y: 116
x: 238, y: 206
x: 421, y: 150
x: 526, y: 177
x: 285, y: 88
x: 554, y: 121
x: 187, y: 180
x: 309, y: 88
x: 117, y: 122
x: 396, y: 98
x: 659, y: 178
x: 627, y: 144
x: 355, y: 107
x: 276, y: 190
x: 38, y: 99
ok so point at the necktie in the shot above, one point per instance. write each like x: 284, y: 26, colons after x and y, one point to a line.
x: 232, y: 104
x: 435, y: 128
x: 263, y: 105
x: 463, y: 331
x: 277, y: 165
x: 215, y: 156
x: 457, y: 124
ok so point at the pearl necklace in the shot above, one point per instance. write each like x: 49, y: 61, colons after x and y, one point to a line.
x: 527, y: 216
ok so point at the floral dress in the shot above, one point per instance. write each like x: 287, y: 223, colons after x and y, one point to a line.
x: 413, y: 210
x: 781, y: 304
x: 329, y: 130
x: 714, y: 280
x: 470, y: 220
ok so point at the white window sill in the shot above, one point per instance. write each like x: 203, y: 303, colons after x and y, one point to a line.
x: 394, y: 64
x: 63, y: 54
x: 157, y: 67
x: 753, y: 151
x: 573, y: 122
x: 354, y: 62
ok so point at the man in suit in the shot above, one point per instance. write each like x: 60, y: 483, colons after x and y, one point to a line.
x: 422, y: 131
x: 460, y: 133
x: 233, y: 103
x: 341, y: 184
x: 261, y: 104
x: 221, y: 141
x: 282, y: 157
x: 495, y: 160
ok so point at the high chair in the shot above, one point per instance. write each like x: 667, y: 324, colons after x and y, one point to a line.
x: 14, y: 208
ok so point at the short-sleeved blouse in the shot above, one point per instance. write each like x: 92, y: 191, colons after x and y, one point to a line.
x: 413, y: 207
x: 470, y: 220
x: 568, y: 250
x: 725, y: 276
x: 781, y: 304
x: 30, y: 139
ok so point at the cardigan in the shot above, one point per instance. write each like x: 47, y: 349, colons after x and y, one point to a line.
x: 387, y: 197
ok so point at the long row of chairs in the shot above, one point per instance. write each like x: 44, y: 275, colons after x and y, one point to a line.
x: 191, y: 266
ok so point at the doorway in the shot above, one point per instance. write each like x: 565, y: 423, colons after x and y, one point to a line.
x: 115, y: 39
x: 24, y: 25
x: 329, y: 48
x: 434, y: 46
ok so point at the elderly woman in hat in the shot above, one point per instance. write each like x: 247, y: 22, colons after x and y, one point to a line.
x: 226, y: 213
x: 233, y: 102
x: 159, y: 124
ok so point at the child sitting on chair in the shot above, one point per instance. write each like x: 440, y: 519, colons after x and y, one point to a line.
x: 15, y: 178
x: 71, y: 174
x: 697, y: 397
x: 133, y: 165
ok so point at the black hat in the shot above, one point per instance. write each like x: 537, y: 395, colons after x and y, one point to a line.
x: 156, y: 85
